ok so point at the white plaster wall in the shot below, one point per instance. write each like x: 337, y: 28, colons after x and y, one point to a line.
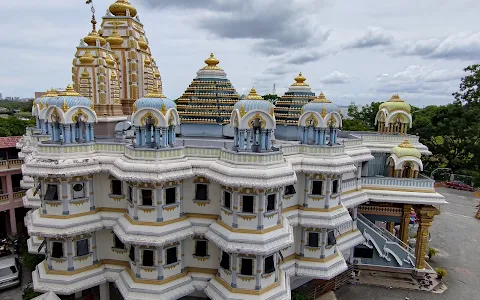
x: 316, y: 201
x: 214, y: 195
x: 312, y: 252
x: 247, y: 224
x: 330, y: 251
x: 348, y: 176
x: 83, y: 262
x: 147, y: 214
x: 54, y: 210
x: 59, y: 265
x: 270, y: 221
x: 173, y: 270
x: 149, y: 273
x: 226, y: 275
x: 297, y: 231
x: 300, y: 188
x: 105, y: 242
x: 190, y: 261
x: 266, y: 281
x: 102, y: 190
x: 172, y: 212
x: 78, y: 208
x: 227, y: 218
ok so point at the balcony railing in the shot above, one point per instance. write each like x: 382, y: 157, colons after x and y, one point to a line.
x: 10, y: 164
x: 420, y: 183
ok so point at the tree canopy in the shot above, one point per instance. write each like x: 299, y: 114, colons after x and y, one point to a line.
x: 13, y: 126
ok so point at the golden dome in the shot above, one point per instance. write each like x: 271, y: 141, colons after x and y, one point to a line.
x: 87, y: 57
x: 50, y: 93
x: 253, y: 95
x: 115, y: 39
x: 119, y: 8
x: 395, y: 103
x: 69, y: 91
x: 300, y: 80
x: 142, y: 43
x: 155, y: 93
x: 212, y: 63
x: 321, y: 99
x: 92, y: 37
x: 406, y: 149
x: 85, y: 72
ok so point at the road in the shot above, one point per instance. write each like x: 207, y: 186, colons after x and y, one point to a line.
x: 456, y: 233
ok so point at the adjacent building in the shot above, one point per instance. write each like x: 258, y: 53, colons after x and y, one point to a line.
x: 224, y: 208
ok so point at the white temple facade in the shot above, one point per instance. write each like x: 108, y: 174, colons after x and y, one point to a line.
x: 161, y: 215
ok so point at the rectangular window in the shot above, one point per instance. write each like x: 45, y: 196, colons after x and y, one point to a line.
x: 132, y: 253
x: 271, y: 202
x: 335, y: 186
x: 130, y: 194
x: 247, y: 204
x: 363, y: 252
x: 269, y: 265
x: 201, y: 248
x: 147, y: 198
x: 247, y: 266
x: 331, y: 239
x: 82, y: 247
x: 313, y: 239
x: 227, y: 199
x: 118, y: 243
x: 172, y: 255
x: 57, y: 250
x: 147, y: 260
x: 52, y: 192
x: 117, y: 187
x: 289, y: 190
x: 171, y: 196
x: 225, y: 262
x: 201, y: 192
x: 78, y: 190
x: 317, y: 187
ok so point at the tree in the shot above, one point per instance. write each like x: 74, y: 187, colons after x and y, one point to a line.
x: 366, y: 116
x: 13, y: 126
x: 270, y: 98
x: 469, y: 92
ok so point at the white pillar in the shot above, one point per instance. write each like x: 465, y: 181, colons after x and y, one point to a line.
x: 104, y: 291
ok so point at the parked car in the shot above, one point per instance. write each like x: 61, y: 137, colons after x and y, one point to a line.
x: 459, y: 185
x: 9, y: 272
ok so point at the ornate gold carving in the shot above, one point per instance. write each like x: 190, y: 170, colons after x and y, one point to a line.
x: 311, y: 120
x: 242, y: 111
x: 148, y: 115
x: 79, y: 113
x: 257, y: 116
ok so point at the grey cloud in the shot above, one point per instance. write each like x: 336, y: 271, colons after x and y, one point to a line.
x: 373, y: 37
x: 336, y: 77
x: 461, y: 46
x: 303, y: 57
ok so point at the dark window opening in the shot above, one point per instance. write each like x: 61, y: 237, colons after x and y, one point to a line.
x: 130, y: 193
x: 78, y: 190
x: 247, y: 266
x: 147, y: 260
x: 82, y: 247
x: 227, y: 200
x: 116, y: 187
x: 172, y: 255
x: 363, y: 252
x: 331, y: 240
x: 52, y: 192
x: 171, y: 196
x: 132, y: 253
x: 313, y: 239
x: 201, y: 192
x: 271, y: 202
x: 335, y: 187
x: 118, y: 243
x: 317, y: 187
x: 289, y: 190
x: 147, y: 197
x: 225, y: 262
x: 269, y: 265
x: 201, y: 248
x: 247, y: 204
x: 57, y: 250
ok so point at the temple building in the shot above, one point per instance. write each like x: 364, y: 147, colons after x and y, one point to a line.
x: 212, y: 196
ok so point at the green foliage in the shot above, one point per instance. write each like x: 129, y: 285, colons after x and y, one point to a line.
x: 441, y: 272
x: 29, y: 294
x: 354, y: 125
x: 13, y: 126
x: 270, y: 98
x: 469, y: 92
x: 22, y: 106
x: 364, y: 119
x: 30, y: 261
x: 299, y: 296
x: 432, y: 252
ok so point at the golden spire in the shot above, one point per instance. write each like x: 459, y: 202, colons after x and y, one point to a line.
x: 119, y: 8
x: 85, y: 73
x: 405, y: 144
x: 253, y: 95
x: 300, y: 80
x: 87, y: 57
x: 321, y: 99
x: 92, y: 37
x: 115, y: 39
x: 395, y: 98
x: 155, y: 93
x: 51, y: 93
x: 69, y: 91
x: 212, y: 63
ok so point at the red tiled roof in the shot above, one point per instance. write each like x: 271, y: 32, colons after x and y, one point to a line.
x: 9, y: 141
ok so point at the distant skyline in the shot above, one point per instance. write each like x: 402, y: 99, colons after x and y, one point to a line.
x: 360, y: 51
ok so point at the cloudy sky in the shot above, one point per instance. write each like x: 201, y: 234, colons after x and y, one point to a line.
x: 358, y: 51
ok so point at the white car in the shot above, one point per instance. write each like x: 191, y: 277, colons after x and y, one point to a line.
x: 9, y: 272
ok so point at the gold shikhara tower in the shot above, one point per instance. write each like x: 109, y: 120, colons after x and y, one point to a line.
x: 114, y: 66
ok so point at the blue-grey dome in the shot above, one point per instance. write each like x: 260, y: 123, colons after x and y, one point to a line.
x: 154, y: 100
x: 67, y: 99
x: 321, y: 105
x: 253, y: 102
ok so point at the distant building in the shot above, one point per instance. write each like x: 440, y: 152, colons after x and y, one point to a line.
x: 39, y: 94
x: 3, y: 110
x: 1, y: 96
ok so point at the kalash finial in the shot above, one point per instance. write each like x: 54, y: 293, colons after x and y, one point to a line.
x: 94, y: 22
x: 253, y: 95
x: 321, y: 99
x: 212, y: 63
x: 155, y: 93
x: 300, y: 80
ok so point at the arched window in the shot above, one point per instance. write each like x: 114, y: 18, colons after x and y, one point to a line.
x: 80, y: 128
x: 407, y: 170
x: 149, y: 130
